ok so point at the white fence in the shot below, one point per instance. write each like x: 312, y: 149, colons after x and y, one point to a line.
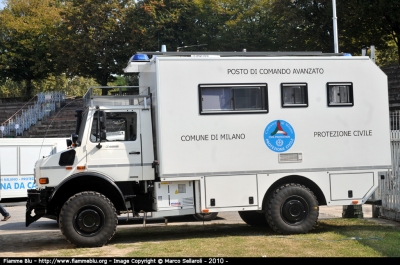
x: 390, y: 181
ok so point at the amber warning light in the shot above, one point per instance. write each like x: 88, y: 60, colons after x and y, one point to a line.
x: 44, y: 181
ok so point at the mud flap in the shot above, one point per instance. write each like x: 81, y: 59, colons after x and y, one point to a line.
x: 35, y: 203
x: 39, y: 213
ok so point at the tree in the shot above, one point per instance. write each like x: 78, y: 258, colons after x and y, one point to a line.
x: 360, y: 23
x: 170, y: 22
x: 303, y: 25
x: 220, y: 24
x: 93, y: 39
x: 249, y: 24
x: 384, y: 17
x: 26, y: 38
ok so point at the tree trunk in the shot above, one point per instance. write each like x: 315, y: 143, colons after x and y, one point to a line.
x: 28, y: 89
x: 104, y: 81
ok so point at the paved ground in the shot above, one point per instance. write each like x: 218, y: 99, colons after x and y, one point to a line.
x: 16, y: 224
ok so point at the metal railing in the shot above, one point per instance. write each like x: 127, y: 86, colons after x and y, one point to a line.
x: 24, y: 118
x: 117, y: 95
x: 389, y: 186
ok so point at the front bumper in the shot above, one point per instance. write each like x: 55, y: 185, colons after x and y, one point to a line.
x: 37, y: 201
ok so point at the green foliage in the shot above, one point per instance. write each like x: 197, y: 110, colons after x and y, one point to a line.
x: 74, y: 86
x: 388, y: 56
x: 223, y: 25
x: 26, y: 37
x: 241, y: 25
x: 11, y: 89
x: 132, y: 80
x: 384, y: 19
x: 93, y: 39
x: 360, y: 23
x: 119, y: 81
x: 78, y: 85
x: 170, y: 22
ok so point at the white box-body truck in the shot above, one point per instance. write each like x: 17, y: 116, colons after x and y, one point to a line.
x: 270, y: 135
x: 17, y: 160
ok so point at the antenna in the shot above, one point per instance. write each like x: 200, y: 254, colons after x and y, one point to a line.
x: 184, y: 47
x: 335, y: 30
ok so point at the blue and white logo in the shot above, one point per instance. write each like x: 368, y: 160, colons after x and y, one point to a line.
x: 279, y: 136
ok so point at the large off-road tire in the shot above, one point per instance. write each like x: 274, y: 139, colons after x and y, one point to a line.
x: 254, y: 218
x: 292, y: 209
x: 205, y: 216
x: 88, y: 219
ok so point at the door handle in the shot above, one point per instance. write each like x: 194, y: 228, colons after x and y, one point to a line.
x: 134, y: 153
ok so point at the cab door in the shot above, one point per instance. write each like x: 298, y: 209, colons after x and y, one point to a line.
x: 119, y: 156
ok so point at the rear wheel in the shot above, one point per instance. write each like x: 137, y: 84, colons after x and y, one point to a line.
x: 88, y: 219
x: 253, y: 218
x: 205, y: 216
x: 292, y: 209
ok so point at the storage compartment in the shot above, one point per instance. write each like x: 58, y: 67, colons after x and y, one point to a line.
x: 350, y: 186
x: 171, y: 195
x: 231, y: 191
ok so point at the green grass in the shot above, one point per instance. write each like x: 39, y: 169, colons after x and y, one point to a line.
x: 331, y: 238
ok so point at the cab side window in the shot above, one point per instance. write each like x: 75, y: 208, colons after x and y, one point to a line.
x: 120, y: 126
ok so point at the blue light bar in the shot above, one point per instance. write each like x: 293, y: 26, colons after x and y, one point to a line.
x: 140, y: 58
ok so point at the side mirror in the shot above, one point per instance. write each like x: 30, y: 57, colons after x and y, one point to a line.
x: 74, y: 138
x: 103, y: 135
x: 101, y: 116
x: 69, y: 143
x: 102, y: 119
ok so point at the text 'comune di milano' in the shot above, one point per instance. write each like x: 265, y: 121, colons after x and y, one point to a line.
x: 212, y: 137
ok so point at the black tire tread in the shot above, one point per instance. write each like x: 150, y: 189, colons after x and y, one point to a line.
x: 66, y: 206
x: 274, y: 223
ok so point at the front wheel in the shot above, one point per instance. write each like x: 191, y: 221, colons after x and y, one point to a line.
x: 292, y: 209
x: 205, y: 216
x: 88, y: 219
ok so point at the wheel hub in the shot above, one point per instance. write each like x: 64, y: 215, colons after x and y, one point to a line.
x: 294, y: 210
x: 89, y: 220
